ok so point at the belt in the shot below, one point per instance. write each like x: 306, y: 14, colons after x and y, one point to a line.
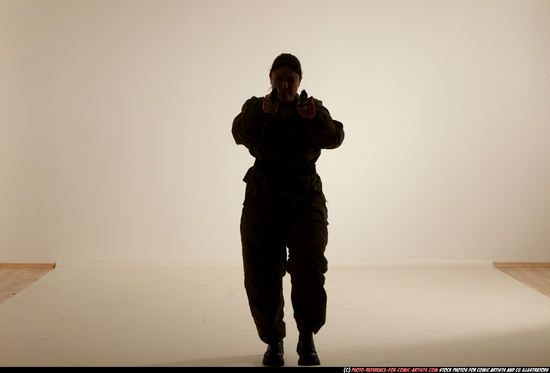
x: 284, y: 168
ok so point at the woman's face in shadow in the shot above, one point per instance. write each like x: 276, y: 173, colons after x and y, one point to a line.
x: 287, y: 81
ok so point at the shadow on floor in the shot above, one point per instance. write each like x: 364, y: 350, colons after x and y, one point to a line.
x: 522, y: 348
x: 228, y: 361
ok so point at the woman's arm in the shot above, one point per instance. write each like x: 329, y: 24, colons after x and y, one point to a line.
x: 250, y: 125
x: 325, y: 132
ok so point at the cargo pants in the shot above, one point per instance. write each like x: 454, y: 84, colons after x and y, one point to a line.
x: 281, y: 213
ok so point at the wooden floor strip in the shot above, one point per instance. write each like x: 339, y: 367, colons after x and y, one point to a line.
x: 14, y: 277
x: 521, y: 264
x: 534, y: 275
x: 27, y: 265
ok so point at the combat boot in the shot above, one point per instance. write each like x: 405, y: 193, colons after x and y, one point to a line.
x: 306, y: 350
x: 273, y: 356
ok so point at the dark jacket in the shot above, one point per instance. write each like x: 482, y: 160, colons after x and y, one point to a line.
x: 286, y: 143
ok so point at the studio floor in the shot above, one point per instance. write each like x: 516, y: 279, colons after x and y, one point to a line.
x: 178, y: 314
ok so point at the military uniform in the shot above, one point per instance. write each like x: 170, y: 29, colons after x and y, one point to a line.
x: 284, y: 207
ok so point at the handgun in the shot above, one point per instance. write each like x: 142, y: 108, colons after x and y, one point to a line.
x: 274, y: 94
x: 303, y: 98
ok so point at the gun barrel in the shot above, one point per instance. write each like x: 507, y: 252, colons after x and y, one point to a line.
x: 303, y: 97
x: 274, y: 94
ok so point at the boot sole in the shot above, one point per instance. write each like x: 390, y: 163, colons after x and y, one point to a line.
x: 273, y: 363
x: 308, y: 361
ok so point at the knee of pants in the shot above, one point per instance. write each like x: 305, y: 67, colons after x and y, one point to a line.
x: 309, y: 267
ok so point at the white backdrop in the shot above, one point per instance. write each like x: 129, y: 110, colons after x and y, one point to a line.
x: 115, y: 122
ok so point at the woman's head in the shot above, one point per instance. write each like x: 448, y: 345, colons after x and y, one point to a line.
x: 286, y: 75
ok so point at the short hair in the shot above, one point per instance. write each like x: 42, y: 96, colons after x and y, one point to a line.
x: 288, y: 60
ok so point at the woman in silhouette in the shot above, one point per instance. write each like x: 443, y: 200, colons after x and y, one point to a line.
x: 284, y: 208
